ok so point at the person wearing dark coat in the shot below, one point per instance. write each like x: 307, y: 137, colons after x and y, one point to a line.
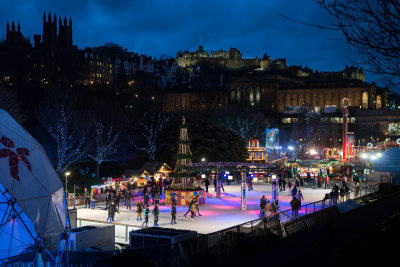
x: 112, y: 209
x: 146, y: 215
x: 139, y: 210
x: 155, y: 213
x: 87, y: 198
x: 191, y: 203
x: 146, y: 199
x: 206, y: 184
x: 173, y: 214
x: 153, y: 193
x: 215, y: 184
x: 108, y: 199
x: 128, y: 197
x: 294, y: 192
x: 263, y: 201
x: 117, y: 199
x: 144, y: 189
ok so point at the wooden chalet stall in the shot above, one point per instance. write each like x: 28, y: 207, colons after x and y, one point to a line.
x: 138, y: 176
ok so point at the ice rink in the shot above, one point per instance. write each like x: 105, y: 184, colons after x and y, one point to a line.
x: 217, y: 213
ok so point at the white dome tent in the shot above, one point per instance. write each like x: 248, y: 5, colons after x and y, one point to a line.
x: 32, y: 200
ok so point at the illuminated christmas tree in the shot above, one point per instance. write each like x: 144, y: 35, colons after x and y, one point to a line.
x: 184, y: 154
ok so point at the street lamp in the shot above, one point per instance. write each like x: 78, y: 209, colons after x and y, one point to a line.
x: 66, y: 181
x: 203, y: 159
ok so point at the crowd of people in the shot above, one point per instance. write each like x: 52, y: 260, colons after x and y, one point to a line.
x: 115, y: 196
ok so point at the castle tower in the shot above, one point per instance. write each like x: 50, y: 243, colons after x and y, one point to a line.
x: 184, y: 153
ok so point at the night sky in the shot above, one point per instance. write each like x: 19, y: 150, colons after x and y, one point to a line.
x: 163, y: 27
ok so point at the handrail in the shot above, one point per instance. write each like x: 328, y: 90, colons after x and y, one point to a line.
x: 290, y: 210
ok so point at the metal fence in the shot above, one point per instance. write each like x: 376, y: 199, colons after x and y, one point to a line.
x: 307, y: 216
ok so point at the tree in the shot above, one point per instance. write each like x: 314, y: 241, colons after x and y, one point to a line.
x: 372, y: 27
x: 152, y: 125
x: 107, y: 145
x: 216, y: 142
x: 245, y: 124
x: 66, y: 132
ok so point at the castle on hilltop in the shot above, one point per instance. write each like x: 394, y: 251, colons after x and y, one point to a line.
x: 230, y: 60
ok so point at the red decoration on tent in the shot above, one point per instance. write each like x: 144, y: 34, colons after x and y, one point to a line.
x: 13, y: 157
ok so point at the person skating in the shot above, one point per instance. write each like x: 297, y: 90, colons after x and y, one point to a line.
x: 93, y: 199
x: 222, y: 185
x: 139, y: 209
x: 111, y: 211
x: 145, y: 189
x: 250, y: 183
x: 191, y: 203
x: 299, y: 197
x: 268, y: 209
x: 294, y: 192
x: 206, y: 184
x: 146, y: 215
x: 289, y: 186
x: 197, y: 205
x: 153, y: 193
x: 192, y: 211
x: 173, y: 214
x: 108, y: 199
x: 117, y: 199
x: 326, y: 182
x: 128, y: 197
x: 87, y: 198
x: 215, y: 184
x: 263, y: 201
x: 155, y: 213
x: 146, y: 199
x: 157, y: 198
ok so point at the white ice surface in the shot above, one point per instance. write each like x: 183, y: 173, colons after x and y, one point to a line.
x: 217, y: 213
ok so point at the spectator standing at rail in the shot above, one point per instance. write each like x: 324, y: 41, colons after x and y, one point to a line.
x: 263, y: 202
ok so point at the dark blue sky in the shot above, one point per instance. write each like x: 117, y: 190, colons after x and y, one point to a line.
x: 157, y: 27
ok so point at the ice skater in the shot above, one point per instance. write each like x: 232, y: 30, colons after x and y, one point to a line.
x: 108, y: 199
x: 139, y: 209
x: 128, y: 197
x: 117, y: 199
x: 155, y: 213
x: 146, y: 199
x: 191, y: 203
x: 111, y: 211
x: 197, y: 204
x: 87, y: 198
x: 146, y: 215
x: 93, y: 201
x: 173, y: 214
